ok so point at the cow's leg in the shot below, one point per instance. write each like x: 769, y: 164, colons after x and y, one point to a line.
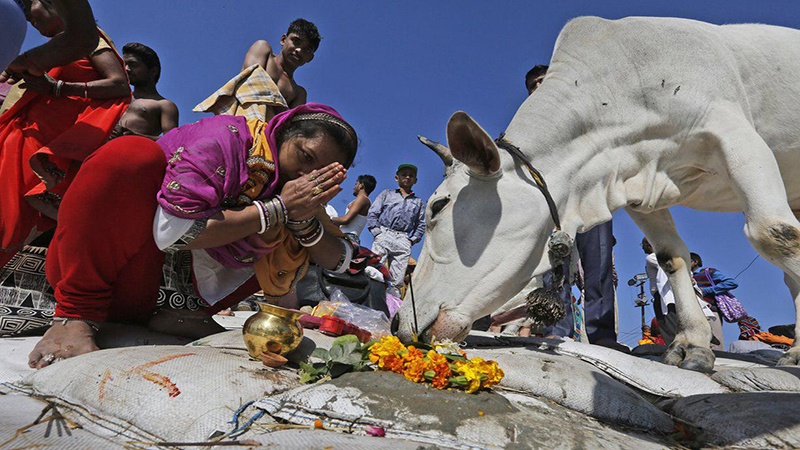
x: 792, y: 357
x: 691, y: 347
x: 770, y: 225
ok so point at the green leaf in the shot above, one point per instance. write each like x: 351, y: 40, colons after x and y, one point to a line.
x: 320, y: 353
x: 336, y: 352
x: 347, y: 338
x: 306, y: 378
x: 339, y: 369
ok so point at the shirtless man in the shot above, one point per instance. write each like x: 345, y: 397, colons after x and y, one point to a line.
x: 297, y: 48
x: 354, y: 219
x: 149, y: 114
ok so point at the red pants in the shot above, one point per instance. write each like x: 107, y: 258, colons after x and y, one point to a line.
x: 103, y: 261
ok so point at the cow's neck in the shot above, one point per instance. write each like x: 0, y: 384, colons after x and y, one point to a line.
x: 572, y: 154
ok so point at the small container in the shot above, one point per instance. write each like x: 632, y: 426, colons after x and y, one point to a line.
x: 333, y: 326
x: 310, y: 322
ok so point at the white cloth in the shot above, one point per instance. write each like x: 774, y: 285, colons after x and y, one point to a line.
x: 355, y: 226
x: 12, y: 31
x: 331, y: 211
x: 660, y: 280
x: 213, y: 280
x: 167, y: 229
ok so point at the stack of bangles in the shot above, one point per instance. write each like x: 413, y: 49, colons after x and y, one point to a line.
x: 271, y: 213
x: 307, y: 232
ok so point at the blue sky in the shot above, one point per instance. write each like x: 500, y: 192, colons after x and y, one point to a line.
x: 398, y: 69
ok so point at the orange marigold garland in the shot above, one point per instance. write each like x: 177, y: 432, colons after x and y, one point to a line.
x: 444, y: 366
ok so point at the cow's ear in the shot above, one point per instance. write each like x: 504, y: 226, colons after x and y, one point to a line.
x: 471, y: 145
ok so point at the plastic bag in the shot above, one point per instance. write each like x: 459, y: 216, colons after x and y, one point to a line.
x: 393, y: 300
x: 375, y: 322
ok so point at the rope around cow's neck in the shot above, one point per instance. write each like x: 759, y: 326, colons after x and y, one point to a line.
x: 544, y: 305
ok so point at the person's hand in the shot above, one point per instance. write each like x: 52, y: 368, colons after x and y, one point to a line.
x: 19, y: 67
x: 119, y: 130
x: 44, y: 84
x: 304, y: 195
x: 61, y: 341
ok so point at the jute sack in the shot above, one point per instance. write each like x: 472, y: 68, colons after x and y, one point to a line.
x: 181, y: 393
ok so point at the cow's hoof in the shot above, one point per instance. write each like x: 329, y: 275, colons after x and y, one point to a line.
x: 690, y: 357
x: 790, y: 358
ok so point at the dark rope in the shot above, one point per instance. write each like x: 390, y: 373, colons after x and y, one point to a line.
x: 538, y: 179
x: 413, y: 308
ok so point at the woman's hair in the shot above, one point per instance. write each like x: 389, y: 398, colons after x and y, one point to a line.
x: 316, y: 124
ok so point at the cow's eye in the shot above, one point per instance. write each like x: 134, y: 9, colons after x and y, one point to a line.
x: 438, y: 205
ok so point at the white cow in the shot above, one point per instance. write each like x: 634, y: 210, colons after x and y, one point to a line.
x: 637, y: 113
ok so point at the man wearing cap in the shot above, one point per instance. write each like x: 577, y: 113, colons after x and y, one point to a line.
x: 397, y: 220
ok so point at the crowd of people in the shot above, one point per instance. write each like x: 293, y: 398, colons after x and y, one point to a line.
x: 241, y: 196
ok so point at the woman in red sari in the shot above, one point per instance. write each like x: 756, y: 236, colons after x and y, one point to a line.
x: 61, y: 119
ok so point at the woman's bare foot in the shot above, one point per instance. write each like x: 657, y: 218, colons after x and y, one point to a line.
x: 63, y: 340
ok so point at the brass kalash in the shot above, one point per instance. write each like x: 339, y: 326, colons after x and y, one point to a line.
x: 272, y: 329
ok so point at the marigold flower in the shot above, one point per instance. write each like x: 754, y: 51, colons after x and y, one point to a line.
x: 392, y: 362
x: 415, y: 369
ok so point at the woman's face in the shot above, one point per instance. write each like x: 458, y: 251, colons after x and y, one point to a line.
x: 45, y: 18
x: 299, y: 155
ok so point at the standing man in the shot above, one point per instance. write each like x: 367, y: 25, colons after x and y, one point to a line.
x: 397, y: 220
x: 595, y: 248
x: 355, y: 218
x: 149, y: 114
x: 298, y: 46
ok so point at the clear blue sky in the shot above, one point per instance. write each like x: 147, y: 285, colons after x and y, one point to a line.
x: 399, y: 69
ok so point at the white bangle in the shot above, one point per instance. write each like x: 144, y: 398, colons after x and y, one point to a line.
x: 261, y: 216
x: 316, y: 240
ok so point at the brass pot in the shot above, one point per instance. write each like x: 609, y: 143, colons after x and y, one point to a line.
x: 272, y: 329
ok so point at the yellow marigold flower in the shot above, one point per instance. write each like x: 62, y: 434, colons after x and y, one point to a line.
x: 415, y: 369
x: 493, y: 373
x: 436, y: 358
x: 413, y: 354
x: 388, y: 345
x: 393, y: 363
x: 472, y: 374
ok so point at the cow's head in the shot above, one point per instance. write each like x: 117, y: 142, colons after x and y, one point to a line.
x: 487, y: 227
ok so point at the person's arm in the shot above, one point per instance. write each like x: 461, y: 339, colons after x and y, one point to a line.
x: 300, y: 97
x: 374, y: 214
x: 419, y: 230
x: 77, y: 40
x: 113, y: 83
x: 357, y: 205
x: 328, y: 252
x: 258, y: 53
x: 722, y: 284
x: 169, y: 116
x: 651, y: 268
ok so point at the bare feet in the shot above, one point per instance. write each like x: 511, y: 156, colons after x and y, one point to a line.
x: 63, y: 340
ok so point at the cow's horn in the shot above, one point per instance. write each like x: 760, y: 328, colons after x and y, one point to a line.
x: 440, y: 150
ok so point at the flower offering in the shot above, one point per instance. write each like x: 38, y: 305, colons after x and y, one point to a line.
x: 445, y: 365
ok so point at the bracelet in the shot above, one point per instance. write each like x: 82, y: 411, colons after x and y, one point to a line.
x: 284, y: 211
x: 94, y: 325
x: 262, y: 217
x: 57, y: 88
x: 314, y: 239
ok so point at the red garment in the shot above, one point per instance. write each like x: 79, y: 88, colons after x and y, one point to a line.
x: 103, y: 262
x: 43, y: 141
